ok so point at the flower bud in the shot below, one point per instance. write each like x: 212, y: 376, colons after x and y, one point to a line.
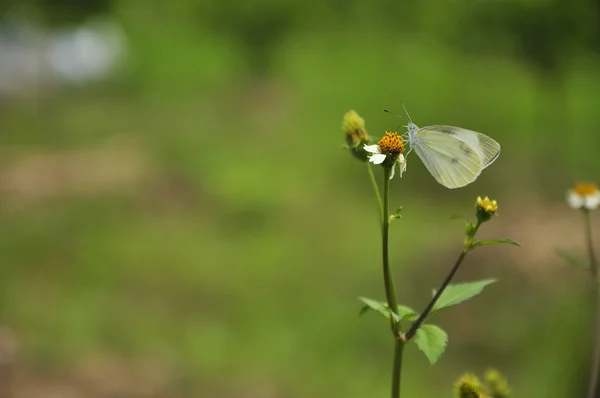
x: 356, y: 134
x: 468, y: 386
x: 485, y: 209
x: 497, y: 384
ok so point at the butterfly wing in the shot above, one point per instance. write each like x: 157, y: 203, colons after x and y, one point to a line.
x: 451, y: 161
x: 487, y: 148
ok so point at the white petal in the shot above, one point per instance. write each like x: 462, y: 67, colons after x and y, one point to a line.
x: 378, y: 158
x: 372, y: 148
x: 575, y: 201
x: 401, y: 164
x: 592, y: 201
x: 393, y: 172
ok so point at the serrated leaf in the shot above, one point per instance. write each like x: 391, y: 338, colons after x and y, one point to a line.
x: 496, y: 242
x: 432, y: 340
x: 456, y: 294
x: 572, y: 258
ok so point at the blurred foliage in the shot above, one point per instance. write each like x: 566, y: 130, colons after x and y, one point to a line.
x: 541, y: 32
x: 57, y: 13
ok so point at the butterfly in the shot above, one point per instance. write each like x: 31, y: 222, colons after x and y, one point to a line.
x: 454, y: 156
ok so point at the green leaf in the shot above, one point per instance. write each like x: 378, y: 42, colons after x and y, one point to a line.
x: 374, y: 305
x: 432, y: 340
x: 407, y: 313
x: 455, y: 294
x: 496, y: 242
x: 382, y: 308
x: 572, y: 258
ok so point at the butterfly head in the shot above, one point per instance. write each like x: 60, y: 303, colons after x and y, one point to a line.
x: 412, y: 131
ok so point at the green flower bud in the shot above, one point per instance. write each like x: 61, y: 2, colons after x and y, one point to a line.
x: 497, y: 384
x: 468, y: 386
x: 356, y: 135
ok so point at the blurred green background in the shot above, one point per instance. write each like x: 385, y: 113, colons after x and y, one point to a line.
x: 178, y: 219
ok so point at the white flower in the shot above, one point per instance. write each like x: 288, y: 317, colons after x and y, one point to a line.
x: 584, y: 195
x: 391, y: 144
x: 378, y: 158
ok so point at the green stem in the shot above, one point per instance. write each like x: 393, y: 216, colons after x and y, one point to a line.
x: 397, y: 370
x: 376, y: 191
x: 415, y: 326
x: 595, y: 366
x: 475, y: 229
x: 388, y: 280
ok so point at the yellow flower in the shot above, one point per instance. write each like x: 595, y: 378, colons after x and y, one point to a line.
x: 486, y: 208
x: 388, y: 152
x: 584, y: 195
x: 498, y: 386
x: 468, y: 386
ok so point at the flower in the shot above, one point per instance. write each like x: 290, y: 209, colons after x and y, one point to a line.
x: 498, y: 386
x: 468, y: 386
x: 388, y: 152
x: 356, y: 134
x: 486, y: 208
x: 584, y: 195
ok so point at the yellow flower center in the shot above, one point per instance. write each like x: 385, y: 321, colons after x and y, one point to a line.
x: 487, y: 205
x: 586, y: 189
x: 391, y: 144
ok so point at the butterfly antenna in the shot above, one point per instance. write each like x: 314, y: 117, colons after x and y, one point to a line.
x: 392, y: 113
x: 399, y: 116
x: 407, y: 114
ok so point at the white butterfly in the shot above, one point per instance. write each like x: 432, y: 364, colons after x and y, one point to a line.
x: 454, y: 156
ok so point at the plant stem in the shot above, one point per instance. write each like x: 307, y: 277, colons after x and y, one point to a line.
x: 376, y: 191
x: 595, y: 366
x: 397, y: 370
x: 415, y: 326
x: 388, y: 281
